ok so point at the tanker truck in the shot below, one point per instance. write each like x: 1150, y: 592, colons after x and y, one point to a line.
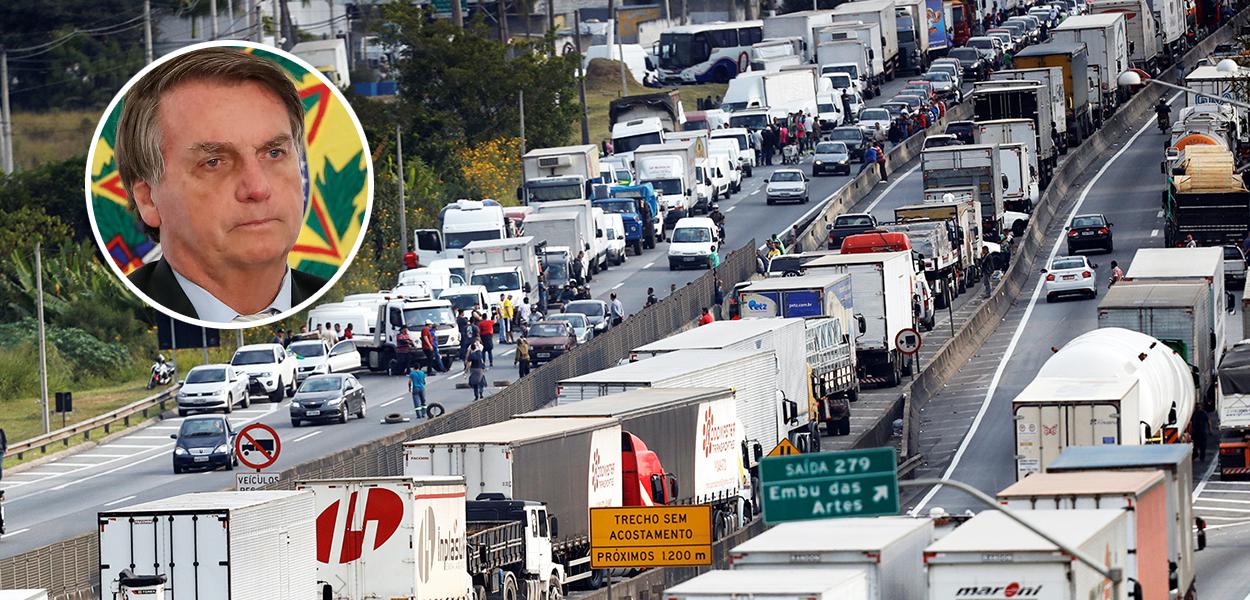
x: 1106, y: 387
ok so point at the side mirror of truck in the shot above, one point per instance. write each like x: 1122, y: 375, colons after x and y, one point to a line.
x: 672, y: 486
x: 526, y: 288
x: 520, y: 194
x: 861, y: 323
x: 327, y: 591
x: 553, y: 526
x: 689, y: 193
x: 1135, y: 593
x: 173, y: 436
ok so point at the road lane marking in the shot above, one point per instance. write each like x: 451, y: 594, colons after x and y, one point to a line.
x: 648, y: 265
x: 1233, y: 510
x: 390, y: 402
x: 9, y: 535
x: 132, y: 446
x: 617, y: 285
x: 120, y: 500
x: 1206, y: 478
x: 306, y: 436
x: 1024, y: 321
x: 731, y: 208
x: 1160, y: 215
x: 1210, y: 499
x: 885, y: 193
x: 1154, y: 233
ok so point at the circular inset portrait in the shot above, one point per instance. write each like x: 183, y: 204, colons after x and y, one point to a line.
x: 229, y: 183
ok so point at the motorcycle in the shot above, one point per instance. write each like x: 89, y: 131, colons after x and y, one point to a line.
x: 1163, y: 123
x: 162, y: 373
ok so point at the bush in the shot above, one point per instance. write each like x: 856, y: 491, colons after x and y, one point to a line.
x: 19, y: 371
x: 84, y: 357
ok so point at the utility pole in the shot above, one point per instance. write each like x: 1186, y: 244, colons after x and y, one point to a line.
x: 620, y: 52
x: 43, y: 347
x: 288, y: 31
x: 276, y: 17
x: 503, y: 21
x: 230, y: 13
x: 6, y: 118
x: 212, y: 17
x: 521, y: 104
x: 581, y: 74
x: 334, y: 29
x: 457, y: 14
x: 253, y: 20
x: 403, y: 207
x: 551, y: 15
x: 147, y: 32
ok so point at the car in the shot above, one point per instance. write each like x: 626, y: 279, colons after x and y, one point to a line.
x: 875, y: 123
x: 270, y: 368
x: 943, y: 83
x: 693, y: 241
x: 941, y: 140
x: 1234, y: 267
x: 971, y: 60
x: 596, y: 312
x: 787, y: 185
x: 1070, y: 275
x: 854, y: 139
x: 962, y: 130
x: 1090, y: 231
x: 204, y: 442
x: 549, y: 339
x: 990, y: 49
x: 922, y: 84
x: 1032, y: 27
x: 213, y: 387
x: 897, y: 110
x: 581, y: 326
x: 831, y: 157
x: 316, y: 357
x: 1004, y: 35
x: 328, y: 398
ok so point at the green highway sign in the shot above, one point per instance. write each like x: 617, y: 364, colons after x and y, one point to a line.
x: 829, y: 485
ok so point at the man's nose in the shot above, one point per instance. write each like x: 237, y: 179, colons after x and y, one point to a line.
x: 254, y: 183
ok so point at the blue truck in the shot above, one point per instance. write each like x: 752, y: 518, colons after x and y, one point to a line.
x: 639, y: 209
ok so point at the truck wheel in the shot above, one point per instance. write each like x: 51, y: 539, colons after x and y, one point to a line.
x: 962, y: 278
x: 813, y: 433
x: 507, y: 591
x: 842, y: 426
x: 894, y: 376
x: 479, y: 592
x: 554, y: 590
x: 276, y: 395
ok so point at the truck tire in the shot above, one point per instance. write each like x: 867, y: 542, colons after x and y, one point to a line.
x: 479, y: 592
x: 813, y: 433
x: 276, y: 395
x: 508, y: 590
x: 554, y: 590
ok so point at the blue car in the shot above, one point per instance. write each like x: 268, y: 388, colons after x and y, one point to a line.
x: 204, y: 442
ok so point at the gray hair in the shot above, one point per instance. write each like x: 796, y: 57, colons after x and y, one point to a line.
x: 137, y: 150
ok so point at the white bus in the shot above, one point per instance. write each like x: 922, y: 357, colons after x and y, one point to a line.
x: 710, y: 52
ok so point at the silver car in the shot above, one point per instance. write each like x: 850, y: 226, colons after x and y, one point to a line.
x: 596, y: 311
x: 831, y: 157
x: 581, y: 325
x: 787, y: 185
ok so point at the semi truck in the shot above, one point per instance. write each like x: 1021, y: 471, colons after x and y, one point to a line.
x: 881, y: 14
x: 994, y: 100
x: 563, y: 173
x: 992, y: 556
x: 802, y: 25
x: 1073, y: 59
x: 888, y: 550
x: 883, y: 295
x: 1141, y: 495
x: 975, y: 166
x: 1141, y: 28
x: 1233, y: 407
x: 1106, y: 387
x: 692, y: 431
x: 965, y: 221
x: 1186, y: 533
x: 935, y: 242
x: 1051, y: 79
x: 1199, y: 265
x: 211, y: 546
x: 670, y: 169
x: 1107, y: 40
x: 504, y: 267
x: 912, y: 26
x: 640, y: 211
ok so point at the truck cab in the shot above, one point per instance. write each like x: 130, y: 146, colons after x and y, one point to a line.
x: 627, y: 136
x: 490, y: 547
x: 397, y: 310
x: 563, y: 173
x: 639, y: 209
x: 504, y: 267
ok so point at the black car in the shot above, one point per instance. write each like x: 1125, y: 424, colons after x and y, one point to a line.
x: 963, y: 130
x: 204, y: 442
x: 855, y: 139
x: 975, y: 68
x: 1089, y: 232
x: 328, y: 397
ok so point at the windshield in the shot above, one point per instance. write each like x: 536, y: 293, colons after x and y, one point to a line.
x: 1067, y: 263
x: 832, y: 70
x: 741, y: 137
x: 630, y: 143
x: 911, y: 101
x: 846, y: 134
x: 853, y: 221
x: 939, y: 76
x: 556, y: 270
x: 577, y: 320
x: 547, y: 330
x: 875, y: 114
x: 590, y: 309
x: 749, y: 121
x: 840, y: 81
x: 456, y: 241
x: 670, y: 187
x: 464, y: 301
x: 252, y: 357
x: 322, y: 384
x: 616, y: 207
x: 831, y: 148
x: 1229, y: 253
x: 922, y: 244
x: 786, y: 176
x: 1087, y: 222
x: 415, y: 318
x: 206, y: 375
x: 306, y: 349
x: 826, y: 107
x: 497, y: 282
x: 699, y: 125
x: 201, y: 427
x: 894, y: 108
x: 965, y: 55
x: 981, y: 44
x: 537, y: 193
x: 689, y: 235
x: 680, y: 50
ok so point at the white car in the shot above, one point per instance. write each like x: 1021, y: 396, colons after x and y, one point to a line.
x: 581, y: 325
x: 614, y: 233
x: 211, y: 388
x: 694, y: 239
x: 270, y: 368
x: 786, y: 185
x: 1070, y: 275
x: 875, y: 123
x: 316, y: 357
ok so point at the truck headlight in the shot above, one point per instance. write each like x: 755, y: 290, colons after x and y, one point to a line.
x: 818, y: 163
x: 180, y: 451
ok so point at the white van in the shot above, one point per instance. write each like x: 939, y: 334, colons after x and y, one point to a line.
x: 613, y: 229
x: 728, y: 149
x: 466, y: 297
x: 692, y: 242
x: 746, y: 151
x: 436, y: 279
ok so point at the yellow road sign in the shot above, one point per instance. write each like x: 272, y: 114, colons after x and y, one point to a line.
x: 650, y: 536
x: 783, y: 448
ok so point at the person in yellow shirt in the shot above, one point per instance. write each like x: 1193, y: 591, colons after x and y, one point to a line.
x: 505, y: 311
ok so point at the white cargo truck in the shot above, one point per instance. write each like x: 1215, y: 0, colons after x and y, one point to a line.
x: 975, y: 166
x: 1021, y: 189
x: 1202, y: 265
x: 670, y: 169
x: 1232, y: 401
x: 849, y: 57
x: 1107, y: 39
x: 935, y: 243
x: 411, y: 519
x: 871, y: 41
x: 1106, y: 387
x: 787, y: 90
x: 802, y: 24
x: 890, y: 550
x: 1012, y: 131
x: 504, y: 267
x: 1051, y: 79
x: 462, y: 222
x: 883, y: 287
x: 1143, y: 35
x: 563, y: 173
x: 398, y: 310
x: 991, y: 556
x: 214, y: 546
x: 559, y: 229
x: 829, y: 583
x: 581, y: 238
x: 1171, y: 27
x: 327, y: 56
x: 881, y: 14
x: 1025, y: 99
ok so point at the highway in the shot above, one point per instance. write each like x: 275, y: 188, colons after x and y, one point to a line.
x: 60, y: 498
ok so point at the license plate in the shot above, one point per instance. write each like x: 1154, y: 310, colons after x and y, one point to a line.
x: 1069, y: 277
x: 542, y: 354
x: 201, y: 459
x: 1087, y: 233
x: 312, y: 413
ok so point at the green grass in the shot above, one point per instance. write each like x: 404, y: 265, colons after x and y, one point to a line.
x: 603, y: 85
x: 40, y: 138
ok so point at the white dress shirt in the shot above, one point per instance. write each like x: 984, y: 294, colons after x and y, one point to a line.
x: 209, y: 308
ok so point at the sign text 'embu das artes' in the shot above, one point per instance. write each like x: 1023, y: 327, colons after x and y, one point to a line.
x: 855, y: 483
x: 650, y: 536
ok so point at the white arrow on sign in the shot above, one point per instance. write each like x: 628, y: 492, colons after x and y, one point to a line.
x: 881, y: 493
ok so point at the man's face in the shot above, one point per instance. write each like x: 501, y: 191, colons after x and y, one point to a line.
x: 231, y: 195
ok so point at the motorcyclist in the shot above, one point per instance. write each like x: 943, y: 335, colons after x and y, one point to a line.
x: 718, y: 218
x: 1164, y: 112
x: 161, y: 372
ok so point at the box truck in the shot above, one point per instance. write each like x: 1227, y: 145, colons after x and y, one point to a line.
x: 830, y: 583
x: 976, y: 166
x: 1107, y: 40
x: 582, y: 236
x: 937, y: 256
x: 882, y: 286
x: 870, y: 41
x: 1201, y: 265
x: 211, y: 546
x: 329, y: 57
x: 1140, y: 27
x: 802, y: 25
x: 963, y: 212
x: 851, y: 57
x: 1014, y: 131
x: 1106, y: 387
x: 890, y: 550
x: 1073, y: 59
x: 1186, y: 534
x: 1051, y: 79
x: 992, y: 556
x: 1143, y: 497
x: 504, y: 267
x: 670, y: 169
x: 881, y: 14
x: 461, y: 222
x: 1025, y: 99
x: 1233, y: 406
x: 695, y: 432
x: 563, y: 173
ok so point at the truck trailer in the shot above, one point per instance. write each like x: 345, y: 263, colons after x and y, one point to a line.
x: 802, y: 25
x: 1233, y: 406
x: 1023, y: 99
x: 563, y: 173
x: 1106, y: 38
x: 830, y: 583
x: 1206, y: 198
x: 1073, y: 59
x: 1200, y: 265
x: 976, y: 166
x: 881, y: 14
x: 1139, y: 25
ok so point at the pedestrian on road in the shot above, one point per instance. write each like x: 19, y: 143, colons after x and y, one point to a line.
x: 617, y: 311
x: 1116, y: 272
x: 881, y: 162
x: 278, y: 334
x: 575, y: 269
x: 427, y: 345
x: 404, y: 347
x: 1198, y: 431
x: 416, y: 386
x: 795, y: 243
x: 347, y: 332
x: 475, y: 366
x: 651, y: 299
x: 462, y: 326
x: 706, y: 317
x: 505, y: 320
x: 1245, y: 244
x: 522, y: 359
x: 338, y: 333
x: 672, y: 289
x: 438, y: 354
x: 486, y: 337
x: 987, y: 267
x: 4, y: 447
x: 870, y: 158
x: 1190, y: 242
x: 718, y: 297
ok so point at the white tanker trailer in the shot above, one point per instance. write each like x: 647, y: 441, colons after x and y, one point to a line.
x: 1109, y: 386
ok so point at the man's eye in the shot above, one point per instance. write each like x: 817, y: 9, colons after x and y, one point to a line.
x: 213, y: 163
x: 276, y: 153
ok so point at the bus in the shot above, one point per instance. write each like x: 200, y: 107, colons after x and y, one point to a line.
x: 710, y: 52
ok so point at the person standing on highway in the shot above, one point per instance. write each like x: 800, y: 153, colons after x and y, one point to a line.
x: 718, y: 297
x: 796, y: 245
x: 706, y: 317
x: 617, y: 311
x: 475, y: 366
x: 416, y: 386
x: 870, y: 158
x: 1198, y: 431
x: 328, y: 335
x: 404, y: 347
x: 277, y: 336
x: 4, y: 447
x: 757, y: 140
x: 522, y: 358
x: 651, y: 299
x: 347, y: 332
x: 462, y: 326
x: 427, y: 346
x: 505, y: 321
x: 486, y: 337
x: 987, y: 267
x: 881, y: 162
x: 1116, y: 272
x: 1190, y: 242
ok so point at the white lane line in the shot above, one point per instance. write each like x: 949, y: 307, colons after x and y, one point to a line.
x: 648, y: 265
x: 94, y: 455
x: 1210, y: 499
x: 120, y: 500
x: 1154, y: 233
x: 390, y: 402
x: 1206, y: 478
x: 306, y: 436
x: 460, y: 374
x: 1160, y: 215
x: 164, y: 427
x: 617, y: 285
x: 132, y: 446
x: 71, y: 464
x: 1015, y: 338
x: 147, y: 437
x: 731, y: 208
x: 886, y: 192
x: 13, y: 533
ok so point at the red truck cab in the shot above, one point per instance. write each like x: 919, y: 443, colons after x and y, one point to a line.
x: 644, y: 482
x: 876, y: 241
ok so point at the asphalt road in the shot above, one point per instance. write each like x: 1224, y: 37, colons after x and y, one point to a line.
x: 60, y: 499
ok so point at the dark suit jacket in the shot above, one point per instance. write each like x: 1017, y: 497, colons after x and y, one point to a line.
x: 158, y: 282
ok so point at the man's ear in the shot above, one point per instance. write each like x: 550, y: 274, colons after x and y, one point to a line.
x: 141, y: 193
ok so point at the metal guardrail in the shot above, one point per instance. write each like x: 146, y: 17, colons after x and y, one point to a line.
x: 142, y: 409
